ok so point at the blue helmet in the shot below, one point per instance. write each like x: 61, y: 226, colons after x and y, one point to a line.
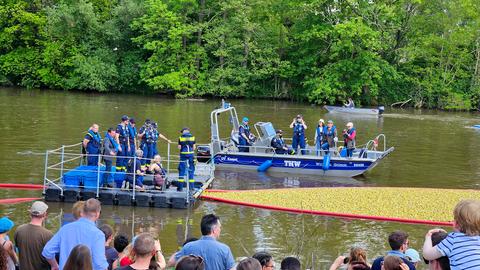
x: 245, y: 119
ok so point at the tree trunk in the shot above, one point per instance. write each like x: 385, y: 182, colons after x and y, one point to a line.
x: 199, y: 32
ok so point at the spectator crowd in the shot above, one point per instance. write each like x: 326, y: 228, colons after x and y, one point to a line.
x: 81, y: 245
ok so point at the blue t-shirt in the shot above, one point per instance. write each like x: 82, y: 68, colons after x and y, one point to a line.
x: 377, y: 264
x: 217, y: 256
x: 462, y: 250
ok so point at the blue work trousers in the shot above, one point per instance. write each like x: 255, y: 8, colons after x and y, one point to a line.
x: 182, y: 178
x: 148, y: 153
x: 138, y: 180
x: 92, y: 159
x: 298, y: 140
x: 326, y: 148
x: 122, y: 161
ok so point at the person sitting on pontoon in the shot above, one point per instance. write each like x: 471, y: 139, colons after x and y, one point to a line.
x: 350, y: 103
x: 279, y: 144
x: 134, y: 168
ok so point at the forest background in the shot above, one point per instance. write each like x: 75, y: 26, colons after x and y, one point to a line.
x: 319, y: 51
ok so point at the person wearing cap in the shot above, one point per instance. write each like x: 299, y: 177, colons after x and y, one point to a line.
x: 123, y: 141
x: 5, y: 226
x: 298, y: 139
x: 186, y: 145
x: 413, y: 256
x: 91, y: 143
x: 279, y: 144
x: 132, y: 136
x: 319, y: 136
x: 330, y: 137
x: 148, y: 134
x: 83, y: 231
x: 349, y: 135
x: 244, y: 136
x: 31, y: 238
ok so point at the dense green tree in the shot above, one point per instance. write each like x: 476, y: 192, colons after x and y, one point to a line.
x: 321, y: 51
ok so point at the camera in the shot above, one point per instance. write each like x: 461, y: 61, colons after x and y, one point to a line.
x: 346, y: 260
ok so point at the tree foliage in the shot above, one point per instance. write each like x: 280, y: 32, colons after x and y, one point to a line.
x: 321, y: 51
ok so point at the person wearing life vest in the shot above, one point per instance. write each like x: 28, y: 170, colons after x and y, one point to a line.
x: 157, y: 135
x: 110, y: 150
x: 279, y: 144
x: 92, y: 142
x: 186, y: 145
x: 244, y: 136
x: 132, y: 137
x: 298, y: 139
x: 349, y: 135
x: 124, y: 143
x: 319, y: 136
x: 330, y: 137
x: 146, y: 135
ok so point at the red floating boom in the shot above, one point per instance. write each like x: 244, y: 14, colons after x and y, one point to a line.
x: 21, y: 186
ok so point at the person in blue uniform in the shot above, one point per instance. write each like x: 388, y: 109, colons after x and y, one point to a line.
x: 319, y: 136
x: 124, y: 143
x: 186, y: 145
x: 134, y: 168
x: 244, y: 136
x: 148, y: 134
x: 330, y: 137
x: 279, y: 144
x: 298, y: 139
x: 132, y: 136
x: 92, y: 142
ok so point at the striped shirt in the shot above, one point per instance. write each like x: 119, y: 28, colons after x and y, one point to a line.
x: 462, y: 250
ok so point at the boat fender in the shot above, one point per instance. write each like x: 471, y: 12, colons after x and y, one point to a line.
x: 326, y: 163
x: 264, y: 166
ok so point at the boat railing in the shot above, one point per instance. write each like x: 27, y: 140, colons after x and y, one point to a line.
x: 66, y: 158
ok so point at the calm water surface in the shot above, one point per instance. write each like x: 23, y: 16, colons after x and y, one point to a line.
x: 433, y: 149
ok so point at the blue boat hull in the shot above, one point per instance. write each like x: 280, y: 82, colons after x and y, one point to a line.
x: 295, y: 164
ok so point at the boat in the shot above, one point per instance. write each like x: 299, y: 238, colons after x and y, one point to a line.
x: 476, y: 126
x: 358, y: 111
x: 68, y: 179
x: 261, y: 156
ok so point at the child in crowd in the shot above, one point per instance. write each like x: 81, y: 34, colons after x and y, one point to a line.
x: 5, y: 226
x: 462, y: 246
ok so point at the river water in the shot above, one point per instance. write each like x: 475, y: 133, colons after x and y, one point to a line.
x: 432, y: 149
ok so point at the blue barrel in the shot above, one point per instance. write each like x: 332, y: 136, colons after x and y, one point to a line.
x: 264, y: 166
x: 326, y: 163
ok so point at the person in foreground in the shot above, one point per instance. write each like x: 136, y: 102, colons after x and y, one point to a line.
x: 462, y: 246
x: 357, y: 260
x: 249, y: 264
x: 146, y: 248
x: 265, y: 259
x: 32, y: 237
x: 83, y: 231
x: 392, y: 262
x: 442, y: 263
x: 290, y: 263
x: 190, y: 262
x: 216, y: 255
x: 398, y: 241
x: 79, y: 259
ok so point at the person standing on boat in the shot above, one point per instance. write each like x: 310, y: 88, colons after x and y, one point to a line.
x: 110, y: 150
x: 244, y: 136
x: 279, y: 144
x: 298, y: 125
x: 186, y: 145
x: 350, y: 103
x: 349, y: 135
x: 319, y: 136
x: 124, y: 143
x: 92, y: 143
x: 330, y: 137
x: 132, y: 137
